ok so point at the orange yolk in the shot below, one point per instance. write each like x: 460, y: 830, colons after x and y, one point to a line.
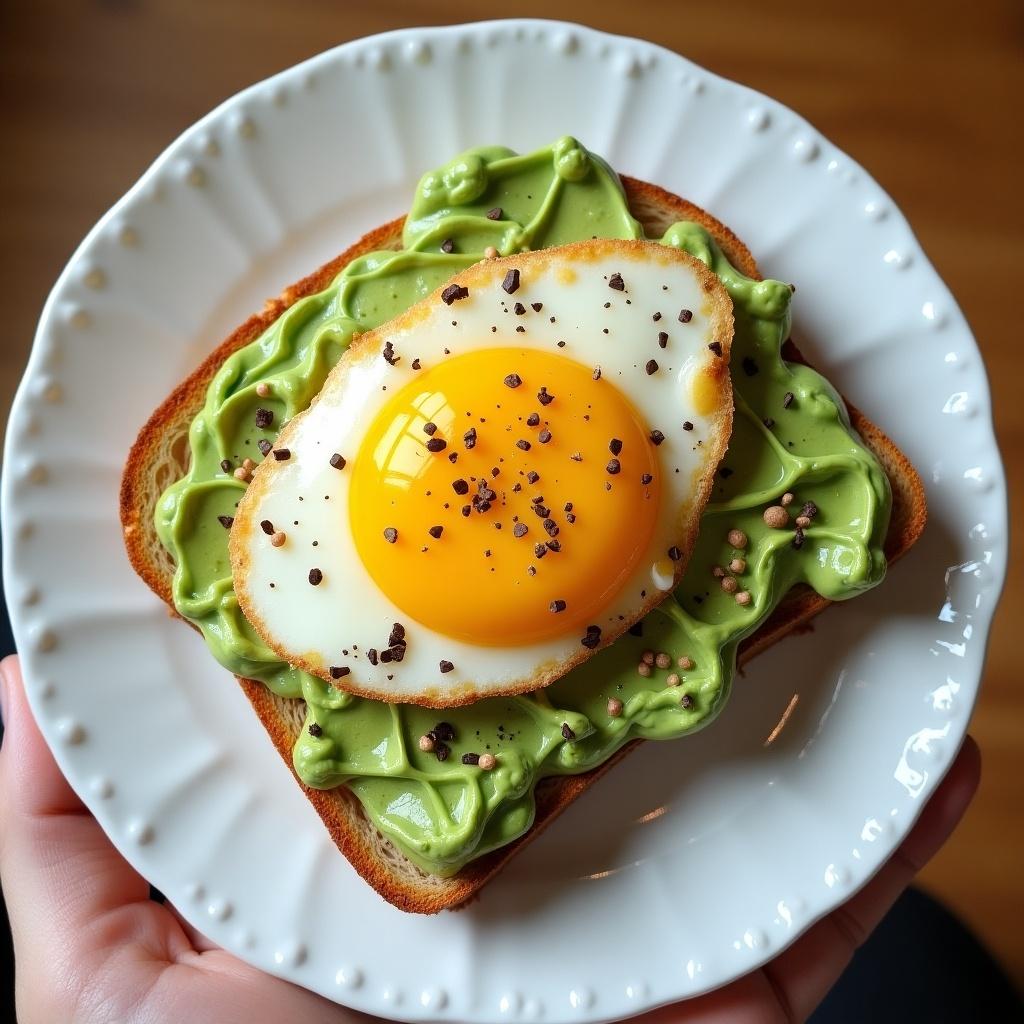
x: 499, y: 513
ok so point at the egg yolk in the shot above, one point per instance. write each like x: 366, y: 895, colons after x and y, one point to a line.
x: 504, y: 496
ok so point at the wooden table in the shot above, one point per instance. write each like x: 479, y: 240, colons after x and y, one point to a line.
x: 922, y: 95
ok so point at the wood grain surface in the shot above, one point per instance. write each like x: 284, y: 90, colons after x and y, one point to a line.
x: 921, y: 95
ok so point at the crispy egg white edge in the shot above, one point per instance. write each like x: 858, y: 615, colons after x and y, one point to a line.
x: 348, y: 606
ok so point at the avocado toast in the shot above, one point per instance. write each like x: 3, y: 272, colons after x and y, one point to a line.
x: 553, y: 196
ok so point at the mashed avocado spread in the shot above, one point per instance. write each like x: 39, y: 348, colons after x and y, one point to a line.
x: 791, y: 433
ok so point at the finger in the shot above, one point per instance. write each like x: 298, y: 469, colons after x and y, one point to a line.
x: 230, y: 991
x: 803, y: 974
x: 748, y: 1000
x: 199, y: 941
x: 45, y: 792
x: 60, y: 871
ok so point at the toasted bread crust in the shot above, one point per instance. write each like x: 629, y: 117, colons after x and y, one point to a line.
x: 376, y: 860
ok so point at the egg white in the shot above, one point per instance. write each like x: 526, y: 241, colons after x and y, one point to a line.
x: 311, y: 626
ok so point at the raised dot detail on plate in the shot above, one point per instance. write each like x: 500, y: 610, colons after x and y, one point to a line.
x: 433, y: 999
x: 871, y: 830
x: 693, y: 968
x: 957, y: 404
x: 245, y: 939
x: 748, y: 940
x: 78, y: 317
x: 933, y: 315
x: 898, y: 259
x: 195, y: 175
x: 533, y: 1008
x: 758, y: 119
x: 102, y: 787
x: 141, y: 831
x: 566, y: 42
x: 629, y: 66
x: 836, y: 875
x: 45, y: 640
x: 944, y: 696
x: 36, y: 473
x: 581, y: 998
x: 875, y: 209
x: 245, y: 126
x: 380, y: 60
x: 94, y: 278
x: 805, y: 150
x: 510, y: 1004
x: 419, y: 52
x: 979, y: 478
x: 784, y: 914
x: 349, y: 977
x: 48, y: 689
x: 127, y: 236
x: 279, y: 97
x: 26, y: 531
x: 49, y: 390
x: 194, y: 891
x: 30, y: 597
x: 219, y: 910
x: 70, y: 732
x: 637, y: 990
x: 292, y: 955
x: 393, y: 996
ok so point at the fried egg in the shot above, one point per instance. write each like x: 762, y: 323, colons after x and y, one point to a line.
x: 497, y: 483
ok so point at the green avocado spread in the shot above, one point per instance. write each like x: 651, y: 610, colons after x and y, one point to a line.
x: 791, y: 433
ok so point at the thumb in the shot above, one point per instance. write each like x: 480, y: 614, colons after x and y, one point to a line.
x: 60, y: 872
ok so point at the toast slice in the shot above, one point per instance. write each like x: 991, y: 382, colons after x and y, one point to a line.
x: 160, y: 456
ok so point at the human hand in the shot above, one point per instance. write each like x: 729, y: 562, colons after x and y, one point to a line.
x: 91, y: 946
x: 89, y: 943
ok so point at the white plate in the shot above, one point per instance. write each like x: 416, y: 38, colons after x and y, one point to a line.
x: 696, y: 860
